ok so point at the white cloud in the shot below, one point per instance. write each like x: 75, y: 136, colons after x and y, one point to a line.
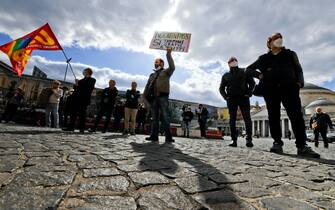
x: 220, y: 29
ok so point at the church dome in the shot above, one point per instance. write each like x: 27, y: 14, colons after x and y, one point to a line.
x: 325, y: 104
x: 311, y: 92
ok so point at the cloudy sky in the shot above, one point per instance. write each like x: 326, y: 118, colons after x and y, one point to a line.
x: 113, y: 37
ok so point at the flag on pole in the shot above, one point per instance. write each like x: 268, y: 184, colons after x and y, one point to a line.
x: 19, y: 50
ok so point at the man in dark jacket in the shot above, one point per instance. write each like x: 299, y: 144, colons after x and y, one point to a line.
x: 13, y: 103
x: 319, y: 123
x: 68, y: 106
x: 107, y: 102
x: 156, y: 93
x: 236, y: 88
x: 202, y: 114
x: 141, y: 118
x: 187, y: 118
x: 282, y: 76
x: 81, y: 99
x: 130, y: 110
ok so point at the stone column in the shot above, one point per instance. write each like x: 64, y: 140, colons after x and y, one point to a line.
x: 283, y: 127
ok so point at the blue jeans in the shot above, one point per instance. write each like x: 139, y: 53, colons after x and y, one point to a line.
x: 160, y: 112
x: 51, y: 109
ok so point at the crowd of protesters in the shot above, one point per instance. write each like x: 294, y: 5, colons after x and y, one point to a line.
x: 280, y: 78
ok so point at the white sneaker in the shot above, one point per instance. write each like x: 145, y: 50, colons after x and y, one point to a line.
x: 2, y: 121
x: 11, y: 122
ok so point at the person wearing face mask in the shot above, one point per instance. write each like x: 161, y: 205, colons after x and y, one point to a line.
x: 156, y: 95
x: 236, y: 88
x: 282, y: 77
x: 81, y: 99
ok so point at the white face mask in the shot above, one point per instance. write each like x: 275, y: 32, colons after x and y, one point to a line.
x: 233, y: 64
x: 278, y: 42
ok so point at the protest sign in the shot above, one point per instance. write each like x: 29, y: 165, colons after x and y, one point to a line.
x: 179, y: 42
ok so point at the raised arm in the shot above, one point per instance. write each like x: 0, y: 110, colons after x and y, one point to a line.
x: 169, y: 58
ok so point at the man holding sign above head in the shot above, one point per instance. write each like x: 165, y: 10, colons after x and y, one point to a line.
x: 156, y: 94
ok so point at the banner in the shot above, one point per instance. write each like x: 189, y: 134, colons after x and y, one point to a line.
x: 19, y: 50
x: 179, y: 42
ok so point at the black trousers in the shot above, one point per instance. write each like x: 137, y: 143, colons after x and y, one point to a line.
x: 244, y: 103
x: 10, y: 111
x: 78, y: 110
x: 289, y: 96
x: 202, y: 124
x: 103, y: 111
x: 323, y: 133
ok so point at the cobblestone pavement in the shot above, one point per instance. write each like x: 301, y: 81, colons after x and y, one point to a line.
x: 43, y: 168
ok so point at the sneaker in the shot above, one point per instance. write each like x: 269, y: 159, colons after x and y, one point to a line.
x: 11, y: 122
x: 316, y: 144
x: 249, y: 143
x: 306, y: 151
x: 68, y: 129
x: 169, y: 140
x: 103, y: 131
x: 81, y: 131
x: 132, y: 133
x: 125, y: 132
x: 276, y: 148
x: 233, y: 144
x: 3, y: 121
x: 91, y: 130
x: 151, y: 139
x: 326, y: 145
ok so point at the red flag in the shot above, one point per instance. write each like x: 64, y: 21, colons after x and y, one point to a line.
x: 19, y: 50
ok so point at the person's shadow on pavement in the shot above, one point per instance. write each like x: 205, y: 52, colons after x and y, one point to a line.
x: 171, y: 161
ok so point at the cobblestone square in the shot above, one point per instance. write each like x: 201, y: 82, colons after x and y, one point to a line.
x: 43, y: 168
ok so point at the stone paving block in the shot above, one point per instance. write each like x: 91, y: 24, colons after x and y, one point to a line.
x: 9, y: 151
x: 97, y: 172
x: 9, y: 165
x: 147, y: 178
x: 14, y: 197
x: 227, y: 178
x: 95, y: 186
x: 4, y: 177
x: 132, y: 167
x: 165, y: 197
x: 81, y: 158
x: 44, y: 161
x: 46, y: 179
x: 94, y: 164
x: 99, y: 203
x: 284, y: 203
x: 195, y: 184
x: 178, y: 173
x: 222, y: 199
x: 101, y: 171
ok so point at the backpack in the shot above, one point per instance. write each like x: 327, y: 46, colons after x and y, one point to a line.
x: 44, y: 96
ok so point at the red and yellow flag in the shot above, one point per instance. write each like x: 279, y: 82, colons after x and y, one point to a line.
x: 19, y: 50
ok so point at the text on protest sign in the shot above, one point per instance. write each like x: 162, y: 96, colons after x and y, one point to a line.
x: 179, y: 42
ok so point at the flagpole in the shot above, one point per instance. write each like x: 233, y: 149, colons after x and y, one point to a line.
x: 68, y: 64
